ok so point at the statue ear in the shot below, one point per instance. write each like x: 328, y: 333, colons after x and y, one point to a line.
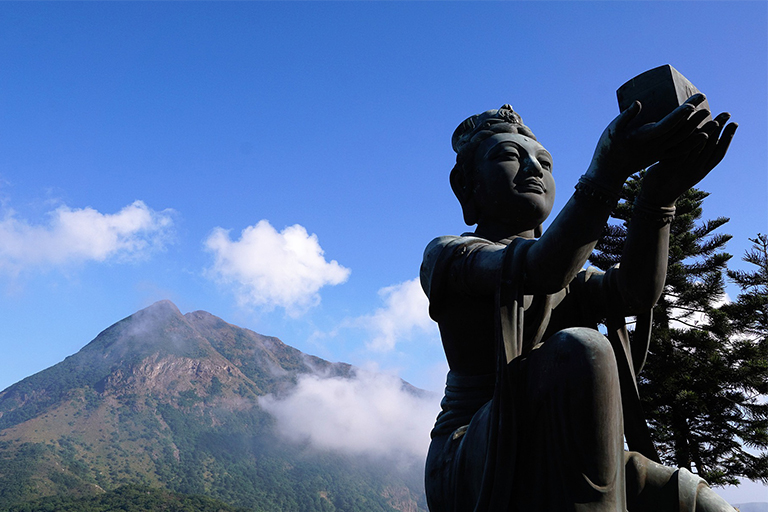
x: 470, y: 212
x: 464, y: 193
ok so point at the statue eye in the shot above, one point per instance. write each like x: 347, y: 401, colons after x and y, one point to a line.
x: 508, y: 154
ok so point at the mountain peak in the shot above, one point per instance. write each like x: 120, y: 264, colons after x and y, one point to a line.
x: 157, y: 314
x: 163, y: 305
x: 159, y: 327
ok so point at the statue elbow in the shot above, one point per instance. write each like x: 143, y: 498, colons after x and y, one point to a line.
x: 640, y: 300
x: 553, y: 284
x: 639, y: 292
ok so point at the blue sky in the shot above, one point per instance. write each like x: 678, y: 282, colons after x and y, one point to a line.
x: 188, y: 151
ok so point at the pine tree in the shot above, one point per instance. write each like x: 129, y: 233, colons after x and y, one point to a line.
x: 698, y: 404
x: 747, y: 330
x: 750, y: 311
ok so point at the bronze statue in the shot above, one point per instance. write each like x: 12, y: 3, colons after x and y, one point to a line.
x: 537, y: 401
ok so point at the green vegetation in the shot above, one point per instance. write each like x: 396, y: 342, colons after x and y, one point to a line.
x: 229, y: 463
x: 16, y: 468
x: 129, y: 498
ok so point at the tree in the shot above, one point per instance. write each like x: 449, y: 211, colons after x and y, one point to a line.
x: 750, y: 311
x: 698, y: 386
x: 748, y: 333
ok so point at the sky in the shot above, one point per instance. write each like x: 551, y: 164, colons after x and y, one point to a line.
x: 283, y: 165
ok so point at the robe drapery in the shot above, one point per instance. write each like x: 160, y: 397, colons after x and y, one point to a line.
x: 492, y: 409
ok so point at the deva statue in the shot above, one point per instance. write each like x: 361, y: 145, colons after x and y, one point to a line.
x: 538, y: 402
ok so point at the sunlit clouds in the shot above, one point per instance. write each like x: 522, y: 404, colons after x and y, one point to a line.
x: 372, y: 414
x: 267, y: 268
x: 405, y: 312
x: 77, y: 235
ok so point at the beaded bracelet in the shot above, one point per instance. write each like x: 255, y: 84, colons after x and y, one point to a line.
x: 662, y: 214
x: 596, y: 191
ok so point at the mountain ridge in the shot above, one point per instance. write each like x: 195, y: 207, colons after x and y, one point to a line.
x: 173, y: 334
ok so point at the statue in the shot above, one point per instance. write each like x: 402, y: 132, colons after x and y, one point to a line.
x: 538, y: 402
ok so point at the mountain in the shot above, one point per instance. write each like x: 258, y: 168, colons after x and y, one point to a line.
x: 171, y: 401
x: 752, y: 507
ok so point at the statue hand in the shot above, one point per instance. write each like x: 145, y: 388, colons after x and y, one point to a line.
x: 672, y: 176
x: 625, y: 148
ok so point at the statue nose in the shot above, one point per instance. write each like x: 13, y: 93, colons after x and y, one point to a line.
x: 533, y: 167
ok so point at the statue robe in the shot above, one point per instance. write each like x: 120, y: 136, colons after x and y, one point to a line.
x: 492, y: 450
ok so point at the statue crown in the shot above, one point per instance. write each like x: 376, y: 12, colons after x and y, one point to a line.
x: 473, y: 125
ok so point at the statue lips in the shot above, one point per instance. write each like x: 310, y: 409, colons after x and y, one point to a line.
x: 532, y: 185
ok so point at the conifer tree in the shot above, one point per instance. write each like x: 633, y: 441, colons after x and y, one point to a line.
x: 699, y: 406
x: 747, y: 330
x: 749, y: 312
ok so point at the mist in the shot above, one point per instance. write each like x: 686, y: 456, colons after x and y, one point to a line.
x: 372, y: 414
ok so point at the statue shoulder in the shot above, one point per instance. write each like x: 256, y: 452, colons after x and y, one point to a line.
x: 432, y: 254
x: 436, y: 246
x: 439, y: 244
x: 438, y: 254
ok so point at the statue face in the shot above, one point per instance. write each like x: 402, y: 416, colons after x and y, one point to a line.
x: 514, y: 184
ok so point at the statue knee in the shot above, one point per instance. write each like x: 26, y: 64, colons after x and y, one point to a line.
x: 582, y: 359
x: 584, y: 345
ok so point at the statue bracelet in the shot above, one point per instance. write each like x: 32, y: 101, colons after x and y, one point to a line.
x: 600, y: 193
x: 662, y: 214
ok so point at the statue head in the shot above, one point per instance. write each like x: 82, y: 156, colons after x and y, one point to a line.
x: 496, y: 158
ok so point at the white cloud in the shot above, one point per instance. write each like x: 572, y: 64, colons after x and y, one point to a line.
x: 80, y: 235
x: 267, y: 268
x: 372, y: 414
x: 685, y: 319
x: 405, y: 311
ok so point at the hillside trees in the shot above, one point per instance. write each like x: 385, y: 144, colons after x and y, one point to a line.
x: 701, y: 383
x: 129, y: 498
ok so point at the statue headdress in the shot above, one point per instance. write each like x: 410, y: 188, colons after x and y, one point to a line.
x: 480, y: 126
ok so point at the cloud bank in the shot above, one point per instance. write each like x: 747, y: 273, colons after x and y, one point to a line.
x: 79, y: 235
x: 405, y: 311
x: 268, y: 269
x: 372, y: 414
